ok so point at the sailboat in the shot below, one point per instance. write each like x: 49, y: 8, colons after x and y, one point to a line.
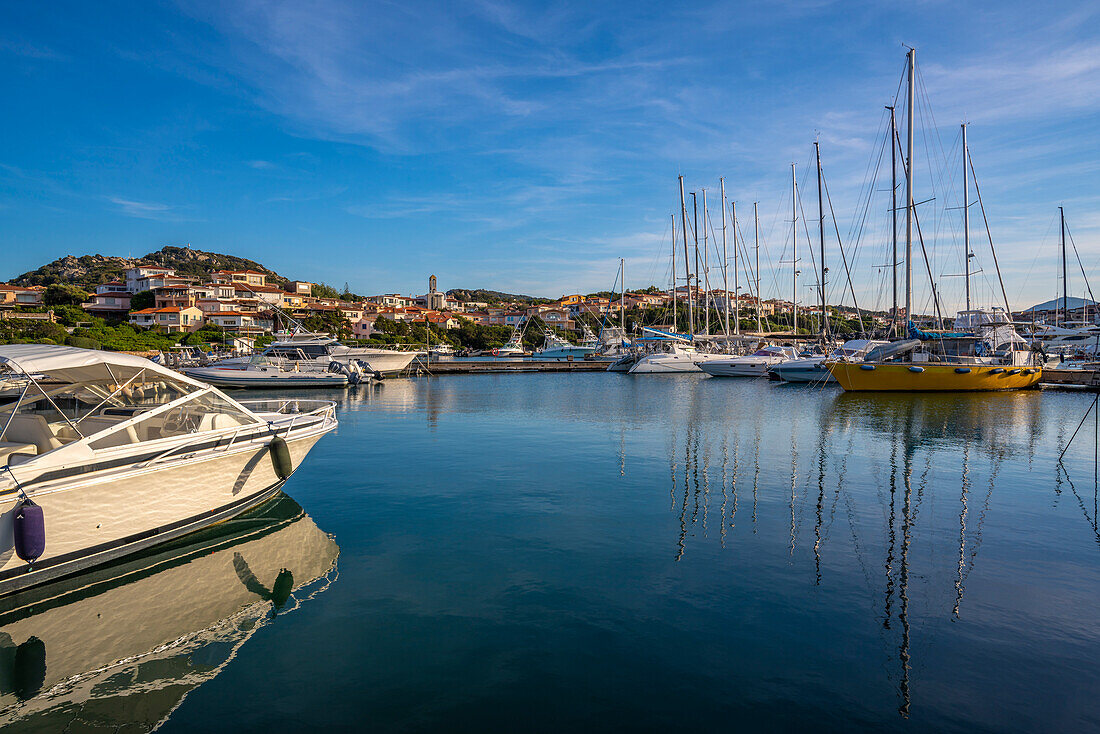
x: 939, y: 361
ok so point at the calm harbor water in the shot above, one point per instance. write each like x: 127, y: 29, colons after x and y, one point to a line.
x: 594, y: 552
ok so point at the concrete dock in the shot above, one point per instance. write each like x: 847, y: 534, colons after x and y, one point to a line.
x: 1087, y: 379
x: 469, y: 367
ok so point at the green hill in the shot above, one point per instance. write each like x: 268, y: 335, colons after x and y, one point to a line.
x: 88, y: 271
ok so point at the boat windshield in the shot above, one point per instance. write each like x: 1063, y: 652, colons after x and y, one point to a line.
x: 45, y: 410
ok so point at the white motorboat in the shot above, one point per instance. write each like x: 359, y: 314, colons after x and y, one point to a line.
x: 813, y: 369
x: 291, y: 347
x: 554, y: 347
x: 123, y: 645
x: 263, y: 373
x: 679, y: 358
x: 441, y: 350
x: 752, y: 365
x: 105, y: 454
x: 514, y: 347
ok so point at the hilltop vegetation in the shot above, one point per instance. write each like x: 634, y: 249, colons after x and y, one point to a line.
x: 482, y: 295
x: 88, y: 271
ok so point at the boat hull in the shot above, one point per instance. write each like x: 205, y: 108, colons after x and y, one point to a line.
x: 654, y: 364
x: 809, y: 370
x: 902, y: 377
x: 247, y: 379
x: 98, y: 516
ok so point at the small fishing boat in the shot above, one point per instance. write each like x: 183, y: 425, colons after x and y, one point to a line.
x: 261, y: 373
x: 104, y: 454
x: 752, y: 365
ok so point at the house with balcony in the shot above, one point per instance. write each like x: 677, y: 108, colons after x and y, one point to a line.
x: 168, y: 319
x: 248, y: 277
x: 138, y: 278
x: 20, y: 295
x: 240, y: 322
x: 109, y: 298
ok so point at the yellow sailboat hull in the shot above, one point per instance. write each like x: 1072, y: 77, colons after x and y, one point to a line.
x: 906, y: 377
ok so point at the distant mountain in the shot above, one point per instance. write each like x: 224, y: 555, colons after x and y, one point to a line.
x: 88, y: 271
x: 1072, y: 302
x: 482, y: 295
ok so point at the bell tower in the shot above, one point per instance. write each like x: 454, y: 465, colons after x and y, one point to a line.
x: 431, y: 284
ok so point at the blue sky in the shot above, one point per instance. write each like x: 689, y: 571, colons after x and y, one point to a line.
x: 526, y: 147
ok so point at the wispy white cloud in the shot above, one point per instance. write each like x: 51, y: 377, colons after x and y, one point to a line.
x: 145, y: 209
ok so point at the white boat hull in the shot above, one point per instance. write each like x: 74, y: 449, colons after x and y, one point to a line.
x: 257, y: 379
x: 112, y: 507
x: 737, y: 367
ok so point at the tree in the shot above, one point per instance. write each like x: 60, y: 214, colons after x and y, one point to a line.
x: 142, y: 299
x: 59, y: 294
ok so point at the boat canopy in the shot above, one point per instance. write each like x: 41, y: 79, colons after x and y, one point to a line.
x: 73, y: 364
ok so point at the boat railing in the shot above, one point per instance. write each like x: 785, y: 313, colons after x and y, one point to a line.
x: 290, y: 406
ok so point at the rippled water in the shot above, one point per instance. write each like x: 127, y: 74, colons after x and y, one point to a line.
x: 595, y: 552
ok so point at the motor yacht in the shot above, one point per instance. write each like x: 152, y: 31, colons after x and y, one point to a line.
x: 676, y: 359
x: 813, y: 369
x: 305, y: 346
x: 751, y: 365
x: 104, y: 454
x: 514, y: 347
x: 554, y: 347
x: 263, y: 373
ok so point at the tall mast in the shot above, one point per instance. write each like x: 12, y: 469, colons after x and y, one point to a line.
x: 759, y: 299
x: 687, y: 269
x: 821, y: 230
x: 794, y: 251
x: 1065, y: 280
x: 695, y: 239
x: 894, y: 214
x: 622, y: 296
x: 706, y: 268
x: 909, y: 188
x: 726, y: 257
x: 674, y: 263
x: 736, y: 286
x: 966, y: 223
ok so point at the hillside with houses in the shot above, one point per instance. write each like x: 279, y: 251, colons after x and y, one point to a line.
x: 180, y: 291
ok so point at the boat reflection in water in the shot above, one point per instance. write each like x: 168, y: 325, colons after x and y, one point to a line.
x: 119, y: 648
x: 868, y: 476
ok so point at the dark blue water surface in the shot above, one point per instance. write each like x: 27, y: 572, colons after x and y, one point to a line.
x: 603, y: 552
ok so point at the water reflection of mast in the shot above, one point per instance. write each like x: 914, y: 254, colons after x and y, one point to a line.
x: 903, y: 614
x: 755, y: 468
x: 888, y: 613
x: 725, y: 462
x: 820, y: 504
x: 962, y: 528
x: 794, y: 481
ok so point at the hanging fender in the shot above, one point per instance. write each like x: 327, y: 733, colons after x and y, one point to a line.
x: 30, y: 531
x: 280, y: 458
